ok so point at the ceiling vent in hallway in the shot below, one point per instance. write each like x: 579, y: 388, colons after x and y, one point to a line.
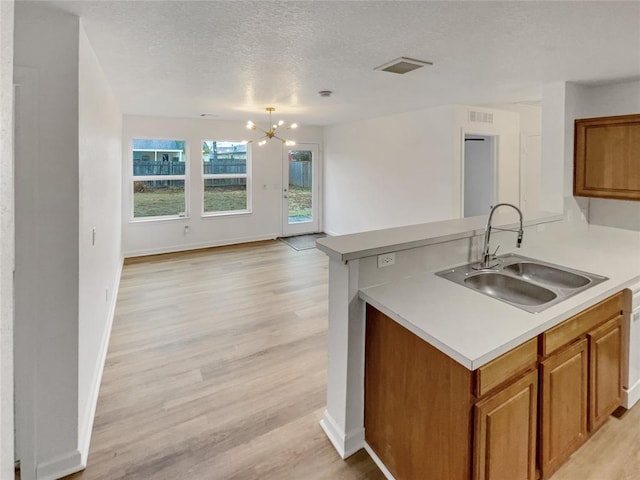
x: 402, y: 65
x: 481, y: 117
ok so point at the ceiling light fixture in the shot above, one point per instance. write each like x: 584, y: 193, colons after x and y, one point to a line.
x: 271, y: 133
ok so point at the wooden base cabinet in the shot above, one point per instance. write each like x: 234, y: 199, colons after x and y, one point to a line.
x: 518, y: 417
x: 563, y: 408
x: 605, y: 366
x: 580, y: 379
x: 505, y: 432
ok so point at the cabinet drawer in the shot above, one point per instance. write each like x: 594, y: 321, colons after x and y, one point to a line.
x: 506, y: 367
x: 569, y: 330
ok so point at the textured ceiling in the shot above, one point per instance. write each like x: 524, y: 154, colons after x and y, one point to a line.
x: 230, y: 58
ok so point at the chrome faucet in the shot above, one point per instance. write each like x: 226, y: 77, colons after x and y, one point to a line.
x: 487, y: 257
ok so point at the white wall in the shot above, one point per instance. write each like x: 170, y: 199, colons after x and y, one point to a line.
x: 147, y: 237
x: 406, y: 169
x: 100, y: 169
x: 47, y: 209
x: 601, y: 101
x: 6, y: 239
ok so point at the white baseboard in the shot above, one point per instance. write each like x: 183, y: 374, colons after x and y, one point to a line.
x: 378, y: 462
x: 86, y: 424
x: 195, y: 246
x: 331, y: 233
x: 60, y: 467
x: 345, y: 444
x: 631, y: 395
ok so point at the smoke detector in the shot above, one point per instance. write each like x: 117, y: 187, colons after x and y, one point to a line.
x: 403, y: 65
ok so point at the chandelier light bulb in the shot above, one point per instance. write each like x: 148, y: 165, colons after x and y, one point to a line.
x: 289, y: 143
x: 294, y: 125
x: 251, y: 125
x: 262, y: 142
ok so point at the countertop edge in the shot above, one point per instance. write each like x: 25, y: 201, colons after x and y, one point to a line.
x: 476, y: 227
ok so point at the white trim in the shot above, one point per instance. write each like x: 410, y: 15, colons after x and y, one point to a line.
x: 60, y: 467
x: 195, y: 246
x: 631, y: 395
x: 84, y: 439
x: 346, y: 444
x: 378, y: 462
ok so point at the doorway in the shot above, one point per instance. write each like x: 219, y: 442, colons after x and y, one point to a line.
x: 300, y: 190
x: 479, y: 174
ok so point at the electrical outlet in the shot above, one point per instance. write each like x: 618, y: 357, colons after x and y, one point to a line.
x: 386, y: 259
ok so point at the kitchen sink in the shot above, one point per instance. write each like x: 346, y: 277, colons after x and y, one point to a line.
x: 528, y: 284
x: 537, y: 272
x: 510, y: 289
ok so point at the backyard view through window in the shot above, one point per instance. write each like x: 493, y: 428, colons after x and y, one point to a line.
x: 300, y: 182
x: 224, y: 172
x: 158, y: 178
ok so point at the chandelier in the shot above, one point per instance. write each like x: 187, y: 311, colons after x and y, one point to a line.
x: 271, y: 133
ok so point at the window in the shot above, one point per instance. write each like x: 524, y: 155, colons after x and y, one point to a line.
x: 159, y: 178
x: 225, y: 177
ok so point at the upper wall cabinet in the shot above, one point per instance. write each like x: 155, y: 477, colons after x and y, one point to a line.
x: 607, y: 157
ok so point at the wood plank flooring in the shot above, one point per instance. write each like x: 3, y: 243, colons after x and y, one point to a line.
x: 216, y: 370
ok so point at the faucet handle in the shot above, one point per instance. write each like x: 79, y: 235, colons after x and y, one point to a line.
x: 493, y: 255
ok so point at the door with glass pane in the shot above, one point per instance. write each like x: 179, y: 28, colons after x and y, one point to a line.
x: 300, y: 190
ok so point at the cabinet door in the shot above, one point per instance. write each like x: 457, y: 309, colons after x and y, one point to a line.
x: 563, y: 407
x: 607, y: 157
x: 505, y: 432
x: 605, y: 371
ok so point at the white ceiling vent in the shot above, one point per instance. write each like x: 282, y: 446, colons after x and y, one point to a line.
x: 402, y: 65
x: 481, y: 117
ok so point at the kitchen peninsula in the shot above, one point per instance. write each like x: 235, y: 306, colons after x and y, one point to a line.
x: 462, y: 328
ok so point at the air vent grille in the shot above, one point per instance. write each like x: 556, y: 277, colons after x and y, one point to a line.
x: 481, y: 117
x: 402, y: 65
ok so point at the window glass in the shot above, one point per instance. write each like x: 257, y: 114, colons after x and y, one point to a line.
x: 159, y: 178
x: 152, y: 198
x: 225, y: 176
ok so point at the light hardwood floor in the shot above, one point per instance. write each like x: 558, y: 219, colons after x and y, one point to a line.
x: 217, y: 369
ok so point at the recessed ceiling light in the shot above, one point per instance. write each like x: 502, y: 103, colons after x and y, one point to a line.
x: 403, y: 65
x: 325, y: 93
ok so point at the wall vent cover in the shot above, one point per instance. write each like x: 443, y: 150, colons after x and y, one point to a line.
x: 402, y: 65
x: 481, y: 117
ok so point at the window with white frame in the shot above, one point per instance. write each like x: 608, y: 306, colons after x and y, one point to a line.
x: 225, y: 176
x: 159, y: 179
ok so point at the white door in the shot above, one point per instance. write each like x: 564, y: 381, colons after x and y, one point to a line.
x: 300, y: 190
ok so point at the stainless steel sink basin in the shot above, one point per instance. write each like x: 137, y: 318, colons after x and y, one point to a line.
x: 510, y: 289
x: 537, y: 272
x: 529, y: 284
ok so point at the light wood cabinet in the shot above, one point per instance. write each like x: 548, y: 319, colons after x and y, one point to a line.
x: 580, y: 379
x: 607, y: 157
x: 605, y: 367
x: 418, y: 404
x: 519, y: 416
x: 563, y: 405
x: 505, y: 432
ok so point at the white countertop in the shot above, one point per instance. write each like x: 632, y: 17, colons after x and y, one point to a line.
x: 367, y: 244
x: 474, y: 329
